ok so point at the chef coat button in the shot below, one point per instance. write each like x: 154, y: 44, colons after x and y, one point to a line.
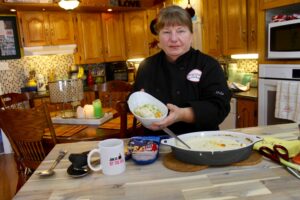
x: 178, y: 92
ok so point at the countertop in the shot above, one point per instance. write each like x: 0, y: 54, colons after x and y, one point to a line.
x: 266, y: 180
x: 250, y: 94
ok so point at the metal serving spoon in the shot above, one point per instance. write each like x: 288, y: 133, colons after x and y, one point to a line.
x: 50, y: 171
x: 170, y: 133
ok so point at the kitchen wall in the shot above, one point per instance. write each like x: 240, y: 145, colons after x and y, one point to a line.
x: 14, y: 79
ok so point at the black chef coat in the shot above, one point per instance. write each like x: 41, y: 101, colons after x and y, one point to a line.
x: 178, y: 83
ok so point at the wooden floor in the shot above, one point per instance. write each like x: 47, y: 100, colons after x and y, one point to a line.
x: 8, y: 176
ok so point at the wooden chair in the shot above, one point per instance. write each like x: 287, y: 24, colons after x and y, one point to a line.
x: 16, y: 100
x: 113, y: 91
x: 114, y: 94
x: 25, y: 129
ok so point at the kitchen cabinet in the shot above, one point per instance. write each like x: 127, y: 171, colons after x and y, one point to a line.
x: 46, y: 28
x: 267, y: 4
x: 232, y: 32
x: 100, y: 38
x: 211, y: 28
x: 234, y: 23
x: 90, y: 41
x: 113, y: 37
x: 135, y: 23
x: 252, y: 21
x: 246, y: 113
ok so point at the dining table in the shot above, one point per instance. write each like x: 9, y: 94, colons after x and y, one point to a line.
x: 264, y: 180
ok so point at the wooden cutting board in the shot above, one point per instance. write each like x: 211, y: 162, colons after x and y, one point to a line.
x: 172, y: 163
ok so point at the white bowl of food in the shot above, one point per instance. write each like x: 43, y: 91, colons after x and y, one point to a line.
x: 146, y: 108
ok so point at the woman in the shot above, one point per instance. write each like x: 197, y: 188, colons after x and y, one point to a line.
x: 191, y: 83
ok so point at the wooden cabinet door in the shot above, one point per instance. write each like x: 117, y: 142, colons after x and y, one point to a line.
x: 46, y: 28
x: 113, y: 37
x: 252, y: 7
x: 234, y: 18
x: 90, y: 45
x: 211, y: 28
x: 35, y: 28
x: 136, y: 34
x: 246, y: 113
x: 61, y: 28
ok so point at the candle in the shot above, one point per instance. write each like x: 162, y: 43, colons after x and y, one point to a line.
x: 88, y: 111
x: 98, y: 113
x: 80, y: 112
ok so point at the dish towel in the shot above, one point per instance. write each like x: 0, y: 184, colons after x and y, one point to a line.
x: 288, y: 100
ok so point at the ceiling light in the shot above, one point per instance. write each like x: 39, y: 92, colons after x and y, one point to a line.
x: 68, y: 4
x: 245, y: 56
x: 109, y: 10
x: 12, y: 10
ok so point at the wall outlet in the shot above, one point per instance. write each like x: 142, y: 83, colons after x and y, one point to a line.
x: 4, y: 66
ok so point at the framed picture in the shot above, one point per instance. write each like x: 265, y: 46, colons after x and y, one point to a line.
x: 9, y: 42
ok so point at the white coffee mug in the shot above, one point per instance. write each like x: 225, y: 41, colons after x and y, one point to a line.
x: 112, y: 157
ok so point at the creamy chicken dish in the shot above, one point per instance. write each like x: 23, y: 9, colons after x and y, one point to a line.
x: 148, y: 111
x: 212, y: 143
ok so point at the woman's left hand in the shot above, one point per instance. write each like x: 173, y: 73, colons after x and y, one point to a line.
x: 176, y: 114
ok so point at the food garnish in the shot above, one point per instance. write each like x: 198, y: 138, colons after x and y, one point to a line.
x: 148, y: 111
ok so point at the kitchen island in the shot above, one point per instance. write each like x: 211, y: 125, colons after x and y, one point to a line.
x: 265, y: 180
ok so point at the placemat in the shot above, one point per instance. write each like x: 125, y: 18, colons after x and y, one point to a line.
x: 115, y: 123
x: 170, y: 162
x: 65, y: 130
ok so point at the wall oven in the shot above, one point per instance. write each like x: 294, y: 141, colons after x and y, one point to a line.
x: 116, y: 71
x: 269, y: 75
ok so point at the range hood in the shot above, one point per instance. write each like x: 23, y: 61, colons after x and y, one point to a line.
x: 49, y: 50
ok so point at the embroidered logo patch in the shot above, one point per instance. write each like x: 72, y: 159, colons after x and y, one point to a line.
x: 194, y: 75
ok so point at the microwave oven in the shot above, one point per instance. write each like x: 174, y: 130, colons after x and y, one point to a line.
x: 284, y: 39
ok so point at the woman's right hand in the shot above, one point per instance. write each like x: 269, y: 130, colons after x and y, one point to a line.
x: 176, y: 114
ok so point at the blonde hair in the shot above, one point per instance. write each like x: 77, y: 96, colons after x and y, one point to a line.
x: 173, y: 15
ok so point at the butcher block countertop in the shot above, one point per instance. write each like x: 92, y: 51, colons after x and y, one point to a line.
x: 265, y: 180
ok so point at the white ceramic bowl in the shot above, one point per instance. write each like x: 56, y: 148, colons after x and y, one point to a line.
x: 140, y: 98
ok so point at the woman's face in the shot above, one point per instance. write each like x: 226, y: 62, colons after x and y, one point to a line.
x: 175, y: 41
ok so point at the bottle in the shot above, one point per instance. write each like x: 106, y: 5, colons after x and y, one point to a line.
x: 90, y: 81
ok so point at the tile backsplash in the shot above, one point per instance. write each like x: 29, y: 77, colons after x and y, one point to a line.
x: 14, y: 79
x: 247, y: 65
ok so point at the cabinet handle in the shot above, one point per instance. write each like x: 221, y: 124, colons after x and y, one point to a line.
x: 244, y: 35
x: 47, y: 34
x: 255, y: 113
x: 253, y: 35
